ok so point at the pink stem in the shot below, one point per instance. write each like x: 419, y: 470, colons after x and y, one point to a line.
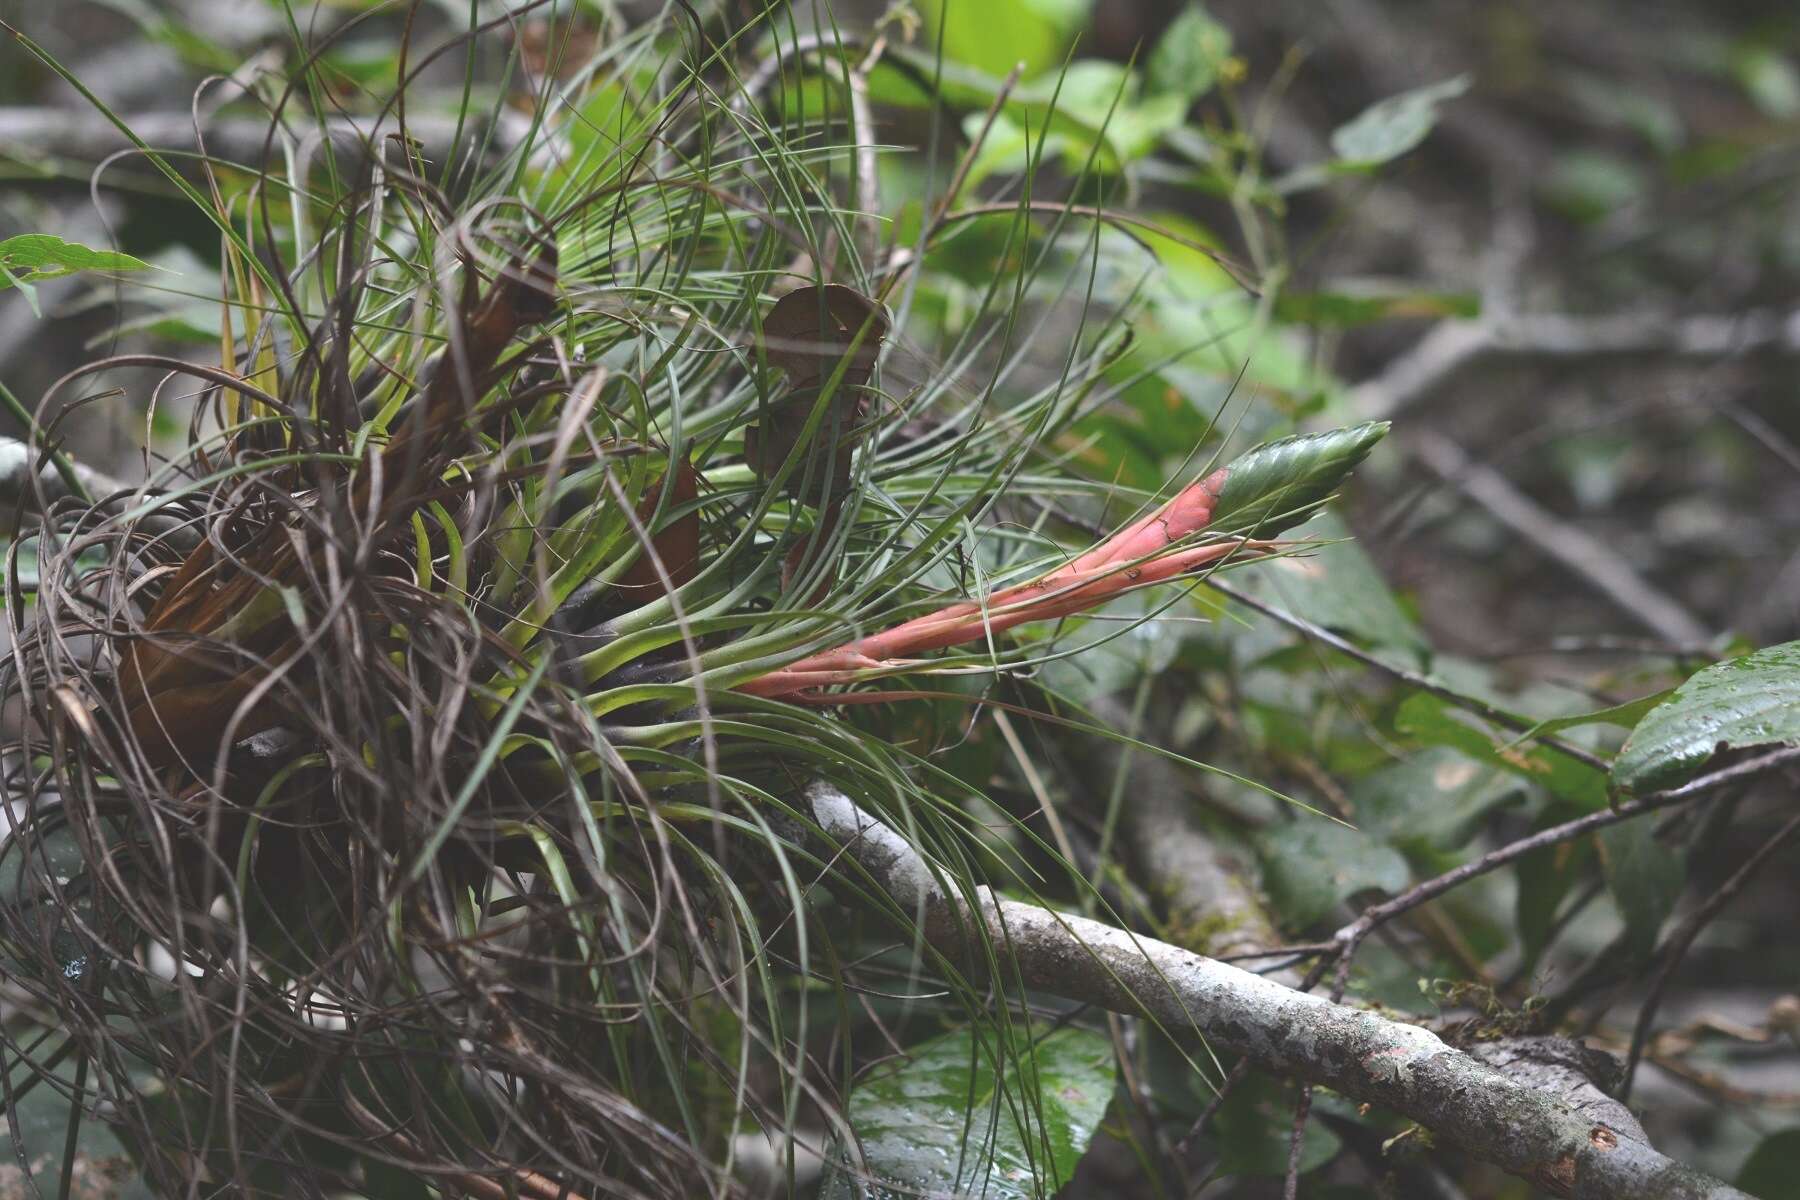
x: 1083, y: 583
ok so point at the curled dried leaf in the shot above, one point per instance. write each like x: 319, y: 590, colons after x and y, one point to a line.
x: 816, y: 335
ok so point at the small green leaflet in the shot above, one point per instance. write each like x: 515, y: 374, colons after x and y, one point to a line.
x: 1389, y: 128
x: 1191, y: 55
x: 1738, y: 704
x: 34, y: 257
x: 946, y: 1124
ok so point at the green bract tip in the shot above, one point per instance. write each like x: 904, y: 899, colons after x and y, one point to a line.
x: 1280, y: 483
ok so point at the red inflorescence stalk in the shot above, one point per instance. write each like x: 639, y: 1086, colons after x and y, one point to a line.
x: 1124, y: 561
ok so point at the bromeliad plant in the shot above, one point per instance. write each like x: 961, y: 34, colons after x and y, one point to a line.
x: 427, y: 733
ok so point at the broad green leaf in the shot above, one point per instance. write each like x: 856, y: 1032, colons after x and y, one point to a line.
x: 1338, y: 586
x: 1434, y: 799
x: 1645, y: 877
x: 1072, y: 118
x: 993, y: 35
x: 1545, y: 877
x: 1007, y: 149
x: 1432, y: 721
x: 1740, y: 704
x: 1389, y: 128
x: 946, y: 1123
x: 33, y: 257
x: 1188, y: 274
x: 1310, y: 864
x: 1773, y: 1166
x: 1105, y: 96
x: 1254, y: 1127
x: 1281, y: 482
x: 1191, y: 56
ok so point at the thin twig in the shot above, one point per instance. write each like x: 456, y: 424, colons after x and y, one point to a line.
x: 1413, y: 679
x: 1452, y: 346
x: 868, y: 170
x: 1675, y: 948
x: 1588, y: 558
x: 1290, y: 1189
x: 1351, y: 935
x: 87, y: 137
x: 65, y: 469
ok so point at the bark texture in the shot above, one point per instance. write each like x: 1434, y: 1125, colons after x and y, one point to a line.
x: 1524, y: 1125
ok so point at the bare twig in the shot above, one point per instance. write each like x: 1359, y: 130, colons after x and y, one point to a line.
x: 1351, y: 935
x: 1521, y: 1128
x: 1452, y: 346
x: 868, y: 173
x: 1590, y: 559
x: 1290, y: 1189
x: 1413, y: 679
x: 1676, y: 946
x: 88, y: 137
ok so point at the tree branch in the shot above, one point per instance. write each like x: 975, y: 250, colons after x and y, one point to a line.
x: 1515, y: 1125
x: 16, y: 486
x: 1212, y: 908
x: 1592, y: 560
x: 89, y: 137
x: 1452, y: 346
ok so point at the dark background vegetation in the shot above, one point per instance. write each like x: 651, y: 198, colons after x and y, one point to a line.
x: 1611, y: 159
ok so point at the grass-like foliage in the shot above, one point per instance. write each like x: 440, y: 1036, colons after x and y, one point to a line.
x: 409, y: 809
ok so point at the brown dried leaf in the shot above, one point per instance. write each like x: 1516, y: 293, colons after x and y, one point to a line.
x: 807, y: 335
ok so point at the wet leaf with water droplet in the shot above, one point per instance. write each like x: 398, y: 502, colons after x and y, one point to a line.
x: 947, y: 1123
x: 1740, y: 704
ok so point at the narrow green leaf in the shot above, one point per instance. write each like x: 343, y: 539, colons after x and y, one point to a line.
x: 1743, y: 703
x: 1435, y: 799
x: 946, y: 1123
x: 1389, y: 128
x: 1279, y: 483
x: 1623, y: 715
x: 992, y: 35
x: 1362, y: 302
x: 33, y: 257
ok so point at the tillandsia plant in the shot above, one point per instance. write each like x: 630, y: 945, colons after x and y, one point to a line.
x: 418, y: 752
